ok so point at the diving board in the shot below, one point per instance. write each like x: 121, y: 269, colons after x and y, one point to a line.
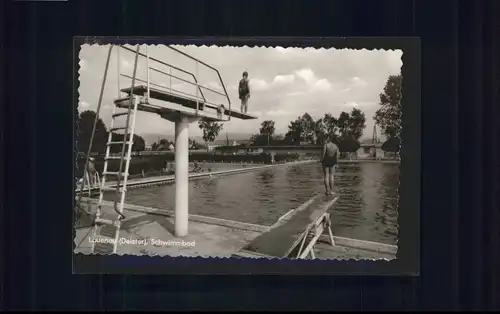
x: 188, y: 103
x: 296, y: 234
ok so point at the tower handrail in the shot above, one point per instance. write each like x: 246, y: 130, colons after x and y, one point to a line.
x: 208, y: 66
x: 169, y: 65
x: 188, y: 82
x: 165, y: 87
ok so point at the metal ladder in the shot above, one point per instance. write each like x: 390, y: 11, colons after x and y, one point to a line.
x: 106, y: 231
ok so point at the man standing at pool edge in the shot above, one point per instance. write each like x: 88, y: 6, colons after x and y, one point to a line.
x: 244, y: 92
x: 329, y: 159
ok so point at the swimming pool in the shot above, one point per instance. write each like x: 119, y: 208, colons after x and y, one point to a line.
x: 367, y: 208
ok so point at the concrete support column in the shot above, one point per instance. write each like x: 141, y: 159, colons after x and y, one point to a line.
x: 181, y: 176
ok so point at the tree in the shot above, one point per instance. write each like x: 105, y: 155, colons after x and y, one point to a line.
x: 356, y: 123
x: 85, y: 125
x: 331, y: 127
x: 388, y: 116
x: 346, y: 125
x: 308, y: 128
x: 210, y: 130
x: 139, y: 144
x: 163, y: 144
x: 267, y: 129
x: 154, y: 146
x: 302, y: 129
x: 278, y: 137
x: 193, y: 144
x: 328, y: 126
x: 320, y: 131
x: 294, y: 134
x: 343, y: 123
x: 202, y: 146
x: 260, y: 139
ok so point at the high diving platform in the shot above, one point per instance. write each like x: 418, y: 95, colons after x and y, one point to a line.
x: 170, y: 105
x: 296, y: 233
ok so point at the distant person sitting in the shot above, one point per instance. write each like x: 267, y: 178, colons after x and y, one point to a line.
x: 92, y: 172
x: 244, y: 92
x: 329, y: 159
x: 197, y: 167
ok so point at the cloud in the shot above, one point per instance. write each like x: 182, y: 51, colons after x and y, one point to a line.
x: 282, y: 49
x: 83, y: 65
x: 292, y: 94
x: 214, y: 85
x: 351, y: 104
x: 307, y: 75
x: 83, y: 105
x: 124, y: 63
x: 258, y: 85
x: 321, y: 85
x: 279, y: 113
x: 313, y: 83
x: 163, y: 84
x: 356, y: 81
x: 284, y: 79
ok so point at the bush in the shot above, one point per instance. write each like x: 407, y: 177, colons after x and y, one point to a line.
x: 349, y: 145
x: 211, y: 157
x: 285, y: 157
x: 151, y: 163
x: 392, y: 145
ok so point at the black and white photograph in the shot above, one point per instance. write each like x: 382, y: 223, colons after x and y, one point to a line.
x: 239, y: 152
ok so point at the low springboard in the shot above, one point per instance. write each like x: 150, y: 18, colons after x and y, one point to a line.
x: 188, y: 103
x: 295, y: 235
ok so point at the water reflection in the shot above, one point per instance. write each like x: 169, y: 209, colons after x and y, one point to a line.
x: 389, y: 214
x: 367, y: 208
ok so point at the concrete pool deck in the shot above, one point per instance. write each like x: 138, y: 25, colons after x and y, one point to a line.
x: 157, y: 180
x: 149, y: 231
x: 210, y: 236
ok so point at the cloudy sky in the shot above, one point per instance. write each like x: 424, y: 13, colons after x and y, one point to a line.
x: 285, y: 83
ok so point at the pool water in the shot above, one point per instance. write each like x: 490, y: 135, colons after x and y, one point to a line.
x: 366, y: 209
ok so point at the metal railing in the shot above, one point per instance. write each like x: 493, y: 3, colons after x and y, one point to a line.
x: 199, y: 97
x: 89, y: 184
x: 208, y: 66
x: 157, y: 85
